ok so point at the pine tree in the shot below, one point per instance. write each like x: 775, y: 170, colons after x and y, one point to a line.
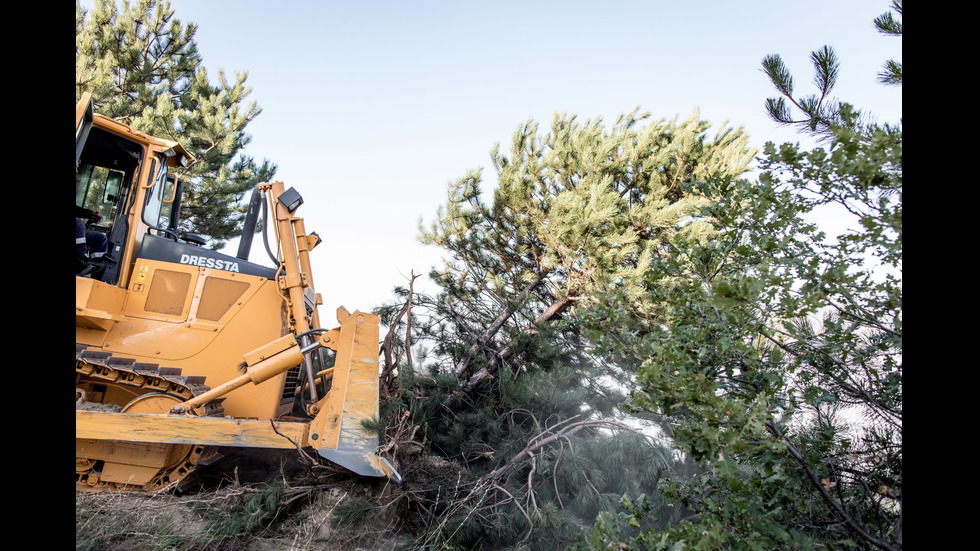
x: 511, y: 388
x: 580, y: 210
x: 142, y: 66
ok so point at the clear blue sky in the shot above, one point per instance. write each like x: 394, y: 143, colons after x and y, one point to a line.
x: 370, y: 108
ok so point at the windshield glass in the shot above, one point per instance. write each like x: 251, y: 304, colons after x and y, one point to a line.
x: 99, y: 189
x: 153, y: 211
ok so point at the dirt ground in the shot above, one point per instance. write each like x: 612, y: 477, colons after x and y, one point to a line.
x: 308, y: 522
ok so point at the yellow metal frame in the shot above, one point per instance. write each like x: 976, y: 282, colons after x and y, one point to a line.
x: 336, y: 432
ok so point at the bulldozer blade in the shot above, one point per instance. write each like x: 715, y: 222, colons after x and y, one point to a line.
x: 364, y: 464
x: 337, y: 431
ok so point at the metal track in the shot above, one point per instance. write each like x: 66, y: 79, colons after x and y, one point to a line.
x: 102, y: 369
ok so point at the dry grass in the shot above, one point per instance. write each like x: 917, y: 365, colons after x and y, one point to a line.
x: 285, y: 511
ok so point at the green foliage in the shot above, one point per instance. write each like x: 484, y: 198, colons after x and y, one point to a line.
x: 252, y: 514
x: 886, y: 23
x: 779, y: 355
x: 351, y: 512
x: 822, y: 115
x: 518, y: 488
x: 142, y: 67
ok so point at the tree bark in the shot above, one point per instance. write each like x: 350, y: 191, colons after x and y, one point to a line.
x: 464, y: 364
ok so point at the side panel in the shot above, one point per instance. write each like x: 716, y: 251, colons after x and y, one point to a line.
x: 203, y: 321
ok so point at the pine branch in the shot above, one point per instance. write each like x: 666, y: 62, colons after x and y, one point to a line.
x: 821, y: 488
x: 548, y: 438
x: 464, y: 364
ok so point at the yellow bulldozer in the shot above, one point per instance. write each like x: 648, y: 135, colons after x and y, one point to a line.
x: 182, y: 352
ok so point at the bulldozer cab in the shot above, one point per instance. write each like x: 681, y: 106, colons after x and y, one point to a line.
x: 124, y: 177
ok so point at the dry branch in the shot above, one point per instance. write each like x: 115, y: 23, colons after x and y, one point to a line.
x: 389, y: 340
x: 541, y: 441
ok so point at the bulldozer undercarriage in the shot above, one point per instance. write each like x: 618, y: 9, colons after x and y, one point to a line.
x: 107, y: 383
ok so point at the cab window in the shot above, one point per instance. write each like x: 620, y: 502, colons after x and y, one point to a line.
x: 159, y: 213
x: 98, y: 189
x: 104, y: 175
